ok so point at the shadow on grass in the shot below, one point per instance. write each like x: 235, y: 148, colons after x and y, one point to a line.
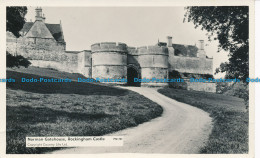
x: 24, y: 121
x: 91, y: 109
x: 45, y: 114
x: 60, y: 87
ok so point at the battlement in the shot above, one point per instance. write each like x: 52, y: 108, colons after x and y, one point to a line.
x: 153, y: 50
x: 132, y: 50
x: 109, y: 47
x: 86, y: 51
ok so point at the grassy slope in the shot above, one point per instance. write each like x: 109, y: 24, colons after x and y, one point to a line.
x: 230, y: 131
x: 68, y: 109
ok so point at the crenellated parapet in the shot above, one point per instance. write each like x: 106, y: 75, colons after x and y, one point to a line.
x: 155, y: 50
x: 109, y: 47
x: 132, y: 50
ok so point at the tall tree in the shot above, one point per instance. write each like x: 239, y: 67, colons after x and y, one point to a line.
x: 15, y: 19
x: 230, y: 26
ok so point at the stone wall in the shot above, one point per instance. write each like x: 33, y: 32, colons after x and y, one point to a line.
x: 72, y: 62
x: 132, y: 57
x: 191, y: 64
x: 87, y: 64
x: 33, y: 48
x: 200, y: 86
x: 110, y: 60
x: 46, y: 53
x: 196, y: 86
x: 11, y: 43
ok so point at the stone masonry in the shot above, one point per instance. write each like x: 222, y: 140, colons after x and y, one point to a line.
x: 44, y: 45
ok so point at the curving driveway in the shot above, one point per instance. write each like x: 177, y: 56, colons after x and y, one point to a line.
x: 182, y: 129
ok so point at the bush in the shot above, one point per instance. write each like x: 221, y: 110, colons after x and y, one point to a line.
x: 16, y: 61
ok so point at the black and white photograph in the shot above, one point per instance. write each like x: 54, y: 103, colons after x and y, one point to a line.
x: 129, y: 79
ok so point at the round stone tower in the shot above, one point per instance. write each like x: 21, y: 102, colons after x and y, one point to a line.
x: 154, y: 65
x: 109, y: 60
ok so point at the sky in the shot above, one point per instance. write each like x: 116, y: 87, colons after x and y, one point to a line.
x: 135, y: 26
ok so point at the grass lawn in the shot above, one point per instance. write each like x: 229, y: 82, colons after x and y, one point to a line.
x: 230, y: 131
x: 68, y: 109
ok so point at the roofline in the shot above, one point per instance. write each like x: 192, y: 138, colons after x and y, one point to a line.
x: 51, y: 24
x: 31, y: 28
x: 185, y: 45
x: 49, y: 30
x: 45, y: 26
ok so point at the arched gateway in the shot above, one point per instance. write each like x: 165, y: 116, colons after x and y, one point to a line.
x: 133, y: 72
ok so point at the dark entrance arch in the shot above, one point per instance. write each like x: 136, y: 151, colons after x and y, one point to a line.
x: 131, y: 74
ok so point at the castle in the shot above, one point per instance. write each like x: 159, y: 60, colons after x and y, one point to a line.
x: 44, y: 45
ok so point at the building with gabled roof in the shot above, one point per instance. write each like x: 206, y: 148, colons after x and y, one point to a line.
x: 54, y: 29
x: 37, y: 36
x: 40, y: 29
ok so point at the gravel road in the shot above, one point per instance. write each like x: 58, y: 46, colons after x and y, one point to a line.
x: 182, y: 129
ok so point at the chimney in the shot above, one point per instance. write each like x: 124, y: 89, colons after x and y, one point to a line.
x: 38, y: 16
x: 201, y: 44
x: 169, y: 41
x: 43, y: 18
